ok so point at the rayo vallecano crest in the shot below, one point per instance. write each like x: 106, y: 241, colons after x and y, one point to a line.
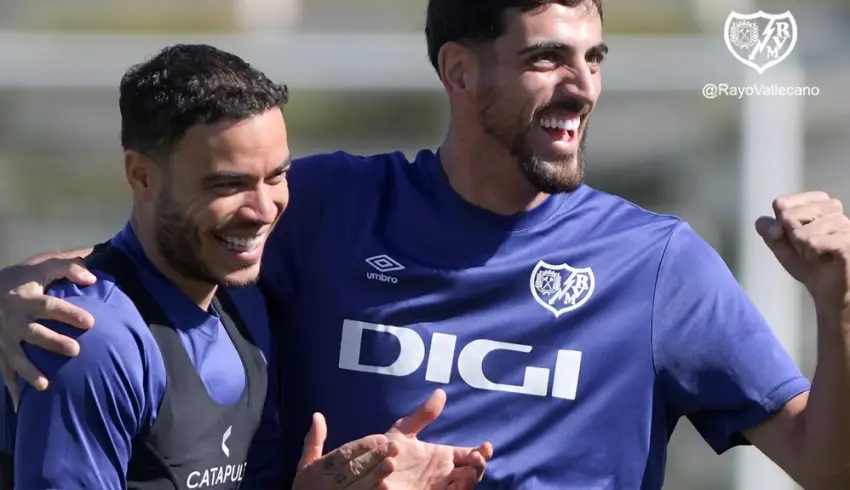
x: 561, y: 288
x: 760, y: 40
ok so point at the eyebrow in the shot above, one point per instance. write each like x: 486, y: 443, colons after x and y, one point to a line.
x: 558, y: 46
x: 229, y: 175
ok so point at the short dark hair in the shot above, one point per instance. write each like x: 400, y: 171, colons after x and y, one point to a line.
x: 477, y: 20
x: 189, y: 84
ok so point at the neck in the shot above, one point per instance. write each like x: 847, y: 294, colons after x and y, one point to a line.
x: 492, y: 180
x: 200, y: 292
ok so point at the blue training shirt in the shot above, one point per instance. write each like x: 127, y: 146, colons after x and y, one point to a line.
x: 79, y: 433
x: 573, y: 336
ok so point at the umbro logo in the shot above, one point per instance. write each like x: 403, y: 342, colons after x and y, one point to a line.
x: 383, y: 263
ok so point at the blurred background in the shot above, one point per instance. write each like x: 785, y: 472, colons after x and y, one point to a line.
x: 361, y: 81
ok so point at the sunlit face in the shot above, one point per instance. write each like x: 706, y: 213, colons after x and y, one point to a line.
x: 224, y: 190
x: 538, y: 85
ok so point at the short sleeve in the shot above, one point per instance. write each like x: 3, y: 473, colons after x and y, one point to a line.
x: 79, y: 432
x: 718, y: 362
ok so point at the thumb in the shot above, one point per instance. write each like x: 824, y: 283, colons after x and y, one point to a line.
x: 314, y: 442
x: 428, y: 412
x: 776, y: 239
x: 72, y: 269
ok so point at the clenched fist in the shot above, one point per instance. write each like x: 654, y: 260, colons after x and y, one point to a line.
x: 810, y: 236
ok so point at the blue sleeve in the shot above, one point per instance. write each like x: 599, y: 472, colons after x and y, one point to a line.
x: 717, y: 360
x: 311, y: 181
x: 78, y: 433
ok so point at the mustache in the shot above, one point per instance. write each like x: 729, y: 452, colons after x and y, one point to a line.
x: 566, y: 105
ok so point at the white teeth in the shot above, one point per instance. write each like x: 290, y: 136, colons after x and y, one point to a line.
x: 553, y: 122
x: 240, y: 244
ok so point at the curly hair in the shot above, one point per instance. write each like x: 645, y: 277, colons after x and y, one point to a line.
x: 185, y: 85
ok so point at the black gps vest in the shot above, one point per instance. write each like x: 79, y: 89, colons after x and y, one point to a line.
x: 195, y: 443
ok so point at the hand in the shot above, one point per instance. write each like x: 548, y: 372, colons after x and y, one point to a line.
x: 810, y: 237
x: 22, y: 302
x: 424, y: 465
x: 361, y: 464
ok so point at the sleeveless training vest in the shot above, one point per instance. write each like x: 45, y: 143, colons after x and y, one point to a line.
x: 195, y: 443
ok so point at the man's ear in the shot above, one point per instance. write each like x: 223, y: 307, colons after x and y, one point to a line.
x: 143, y: 175
x: 458, y: 67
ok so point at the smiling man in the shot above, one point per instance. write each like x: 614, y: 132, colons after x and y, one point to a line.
x: 177, y: 390
x: 572, y: 328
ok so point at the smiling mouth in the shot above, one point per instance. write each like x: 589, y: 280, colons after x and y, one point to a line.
x: 561, y: 127
x: 241, y: 244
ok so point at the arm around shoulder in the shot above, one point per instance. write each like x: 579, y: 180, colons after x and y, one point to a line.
x: 79, y: 432
x: 78, y: 253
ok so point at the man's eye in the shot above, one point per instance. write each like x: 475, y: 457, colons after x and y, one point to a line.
x: 544, y: 58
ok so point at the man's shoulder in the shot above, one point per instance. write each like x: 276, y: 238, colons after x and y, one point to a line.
x: 344, y: 158
x: 104, y: 299
x: 340, y: 166
x: 614, y: 214
x: 119, y: 335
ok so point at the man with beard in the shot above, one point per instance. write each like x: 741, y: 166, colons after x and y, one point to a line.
x: 572, y: 327
x: 171, y: 391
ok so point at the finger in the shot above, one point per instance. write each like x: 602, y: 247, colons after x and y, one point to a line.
x: 820, y: 237
x: 428, y: 412
x: 72, y: 269
x: 789, y: 201
x: 770, y: 229
x: 49, y: 339
x: 461, y: 454
x: 340, y: 456
x: 16, y: 357
x: 463, y: 478
x: 314, y: 441
x: 802, y: 215
x: 367, y: 469
x: 57, y: 309
x: 476, y: 459
x: 827, y: 225
x: 10, y: 379
x: 821, y: 246
x: 788, y: 255
x: 477, y: 463
x: 375, y: 478
x: 486, y: 450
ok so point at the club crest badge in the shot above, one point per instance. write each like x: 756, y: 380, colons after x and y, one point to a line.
x: 561, y: 288
x: 760, y: 40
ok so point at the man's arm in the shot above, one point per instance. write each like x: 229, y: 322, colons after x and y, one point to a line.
x: 79, y: 253
x: 810, y: 436
x: 23, y: 304
x: 78, y: 434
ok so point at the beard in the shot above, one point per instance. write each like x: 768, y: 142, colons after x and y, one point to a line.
x: 565, y: 174
x: 179, y: 242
